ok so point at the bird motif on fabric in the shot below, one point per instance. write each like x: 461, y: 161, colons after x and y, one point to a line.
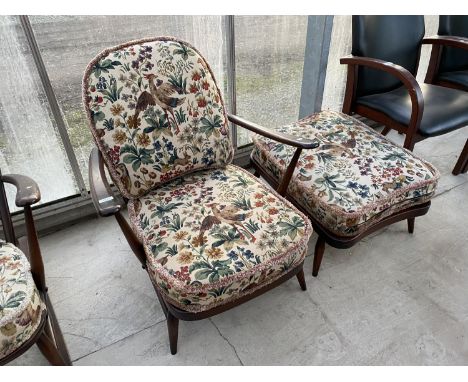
x: 161, y: 94
x: 226, y: 214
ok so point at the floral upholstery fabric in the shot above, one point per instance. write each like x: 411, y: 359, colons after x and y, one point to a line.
x: 354, y: 179
x: 21, y: 307
x: 155, y: 112
x: 216, y: 235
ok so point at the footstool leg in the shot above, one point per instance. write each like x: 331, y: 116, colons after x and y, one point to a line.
x: 411, y: 225
x: 173, y: 330
x: 301, y: 279
x: 318, y: 255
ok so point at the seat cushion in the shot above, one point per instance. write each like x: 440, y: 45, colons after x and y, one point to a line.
x: 217, y: 235
x: 21, y: 308
x: 156, y: 112
x: 444, y: 109
x: 459, y: 77
x: 355, y: 178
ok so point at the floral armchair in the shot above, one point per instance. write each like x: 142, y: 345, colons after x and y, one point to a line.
x: 27, y: 316
x: 210, y: 235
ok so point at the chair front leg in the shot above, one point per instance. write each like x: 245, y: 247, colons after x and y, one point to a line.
x: 462, y: 163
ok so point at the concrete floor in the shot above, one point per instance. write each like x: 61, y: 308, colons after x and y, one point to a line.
x: 393, y: 299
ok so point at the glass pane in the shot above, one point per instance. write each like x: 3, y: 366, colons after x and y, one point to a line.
x: 340, y: 46
x: 69, y: 43
x: 29, y: 141
x: 269, y: 64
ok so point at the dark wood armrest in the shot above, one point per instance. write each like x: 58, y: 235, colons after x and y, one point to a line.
x: 453, y: 41
x: 103, y: 198
x: 27, y: 190
x: 287, y: 139
x: 298, y: 142
x: 408, y: 80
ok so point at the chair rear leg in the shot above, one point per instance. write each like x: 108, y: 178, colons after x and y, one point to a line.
x: 173, y: 330
x: 462, y: 163
x: 301, y: 279
x: 47, y: 347
x: 57, y: 333
x: 386, y: 130
x: 318, y: 255
x: 411, y: 225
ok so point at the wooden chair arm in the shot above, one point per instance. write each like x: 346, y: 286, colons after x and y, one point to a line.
x: 408, y: 80
x: 287, y: 139
x: 453, y: 41
x: 299, y: 142
x: 27, y: 190
x: 101, y: 193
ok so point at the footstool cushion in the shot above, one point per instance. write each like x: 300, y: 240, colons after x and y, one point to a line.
x: 354, y: 179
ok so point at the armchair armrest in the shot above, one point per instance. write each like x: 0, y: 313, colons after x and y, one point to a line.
x: 453, y: 41
x: 298, y: 142
x: 287, y: 139
x: 101, y: 193
x: 408, y: 80
x: 27, y: 192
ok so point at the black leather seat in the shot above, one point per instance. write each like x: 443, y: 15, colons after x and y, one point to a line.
x: 444, y: 109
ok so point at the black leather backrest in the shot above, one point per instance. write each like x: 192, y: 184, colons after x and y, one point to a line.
x: 453, y: 59
x: 391, y: 38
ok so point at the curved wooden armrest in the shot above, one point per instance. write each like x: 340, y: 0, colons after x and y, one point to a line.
x: 453, y: 41
x: 27, y: 190
x: 103, y: 198
x: 408, y: 80
x: 287, y: 139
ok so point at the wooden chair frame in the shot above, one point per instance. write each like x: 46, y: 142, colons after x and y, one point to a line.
x: 431, y: 78
x: 48, y: 336
x: 107, y: 205
x: 409, y: 82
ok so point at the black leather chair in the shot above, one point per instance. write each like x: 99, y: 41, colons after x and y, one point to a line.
x: 381, y: 83
x: 448, y: 65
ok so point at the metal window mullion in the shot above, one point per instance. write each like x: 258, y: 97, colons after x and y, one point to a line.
x: 52, y: 99
x: 231, y: 70
x: 319, y: 29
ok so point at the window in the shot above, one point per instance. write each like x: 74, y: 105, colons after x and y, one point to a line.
x: 269, y: 67
x: 43, y: 129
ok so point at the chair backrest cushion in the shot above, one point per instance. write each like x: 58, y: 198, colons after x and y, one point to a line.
x: 156, y: 113
x: 391, y: 38
x: 453, y: 59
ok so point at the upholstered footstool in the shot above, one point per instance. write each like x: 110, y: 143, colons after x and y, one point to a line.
x: 356, y: 182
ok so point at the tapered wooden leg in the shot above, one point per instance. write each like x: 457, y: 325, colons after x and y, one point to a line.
x: 47, y: 347
x: 256, y: 174
x: 173, y: 330
x: 318, y: 255
x: 411, y: 225
x: 462, y: 163
x: 57, y: 333
x: 385, y: 131
x: 301, y: 279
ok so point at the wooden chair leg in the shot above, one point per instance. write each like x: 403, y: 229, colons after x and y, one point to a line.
x: 318, y: 255
x: 386, y: 130
x: 256, y: 174
x: 301, y: 279
x: 50, y: 351
x: 462, y: 162
x: 173, y: 330
x: 57, y: 333
x: 411, y: 225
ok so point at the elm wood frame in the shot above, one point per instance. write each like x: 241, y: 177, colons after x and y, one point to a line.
x: 107, y: 205
x: 438, y: 42
x: 409, y: 82
x: 326, y: 236
x: 48, y: 336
